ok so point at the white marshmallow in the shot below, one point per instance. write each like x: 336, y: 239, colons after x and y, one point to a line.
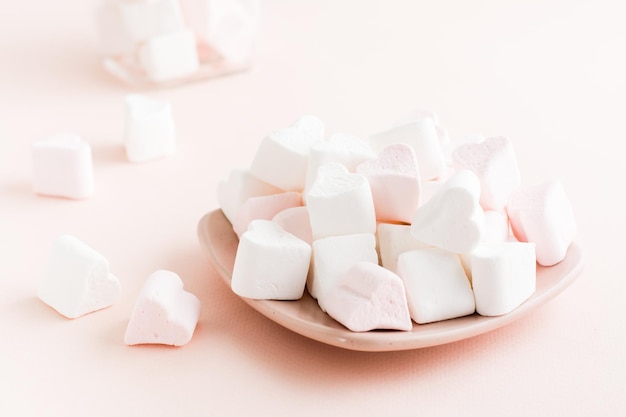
x: 493, y: 161
x: 239, y: 187
x: 419, y: 114
x: 169, y: 56
x: 542, y: 214
x: 264, y: 207
x: 281, y: 159
x: 76, y: 279
x: 395, y: 183
x: 503, y: 276
x: 393, y: 240
x: 164, y: 312
x: 422, y: 136
x: 270, y: 263
x: 113, y: 37
x: 452, y: 219
x: 333, y: 256
x: 295, y: 220
x: 62, y: 167
x: 436, y: 285
x: 369, y: 297
x: 149, y: 128
x: 147, y: 19
x: 340, y: 204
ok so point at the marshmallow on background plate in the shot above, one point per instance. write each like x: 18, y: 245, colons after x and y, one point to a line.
x: 270, y: 263
x: 113, y: 36
x: 436, y: 285
x: 333, y: 256
x: 395, y: 182
x: 369, y: 297
x: 62, y: 167
x: 503, y: 276
x: 452, y: 219
x: 493, y: 161
x: 394, y: 239
x: 164, y: 312
x: 149, y: 131
x: 264, y: 207
x: 340, y: 203
x: 281, y: 158
x: 169, y: 56
x: 422, y: 136
x: 542, y: 214
x: 296, y: 221
x: 76, y: 279
x: 146, y: 19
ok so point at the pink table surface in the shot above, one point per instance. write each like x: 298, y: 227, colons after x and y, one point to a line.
x: 548, y: 74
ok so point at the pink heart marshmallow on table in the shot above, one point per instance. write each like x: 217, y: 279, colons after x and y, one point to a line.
x: 164, y: 312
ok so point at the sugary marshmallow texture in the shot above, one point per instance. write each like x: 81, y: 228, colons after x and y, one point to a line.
x: 436, y: 285
x: 270, y: 263
x: 164, y: 312
x: 63, y: 167
x: 542, y: 214
x: 150, y: 131
x: 369, y: 297
x: 503, y: 276
x: 76, y: 279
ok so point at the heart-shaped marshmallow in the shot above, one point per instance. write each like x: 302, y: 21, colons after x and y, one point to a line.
x: 264, y: 207
x: 493, y: 161
x: 452, y: 219
x: 395, y: 182
x: 164, y: 312
x: 150, y: 131
x: 369, y: 297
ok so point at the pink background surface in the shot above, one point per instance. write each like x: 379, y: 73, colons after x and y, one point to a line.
x: 548, y: 74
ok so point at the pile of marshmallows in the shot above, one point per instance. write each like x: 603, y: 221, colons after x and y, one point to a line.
x: 77, y: 279
x: 406, y: 226
x: 169, y: 39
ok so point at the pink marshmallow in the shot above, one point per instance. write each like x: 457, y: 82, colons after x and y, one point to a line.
x: 542, y: 214
x: 493, y: 161
x: 395, y: 183
x: 295, y: 220
x: 265, y: 208
x: 369, y: 297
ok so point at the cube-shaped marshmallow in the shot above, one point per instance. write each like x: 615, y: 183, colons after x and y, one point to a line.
x: 149, y: 128
x: 169, y: 56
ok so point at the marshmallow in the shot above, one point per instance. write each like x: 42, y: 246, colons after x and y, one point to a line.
x: 369, y: 297
x: 395, y: 183
x: 340, y: 203
x: 169, y: 56
x: 264, y: 207
x: 436, y: 285
x: 493, y: 161
x: 145, y: 20
x: 296, y: 221
x: 62, y: 167
x: 239, y: 187
x: 419, y: 114
x: 114, y: 38
x: 333, y: 256
x: 503, y: 276
x: 149, y: 128
x: 452, y: 219
x: 164, y: 312
x: 542, y: 214
x: 393, y: 240
x: 422, y: 136
x: 76, y: 279
x: 270, y: 263
x: 452, y: 144
x: 281, y: 159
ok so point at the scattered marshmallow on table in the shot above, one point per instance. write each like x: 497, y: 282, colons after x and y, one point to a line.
x: 452, y: 219
x: 395, y: 183
x: 150, y: 131
x: 270, y: 263
x: 542, y: 214
x: 264, y: 207
x: 76, y: 279
x: 63, y: 167
x: 164, y: 312
x: 169, y: 56
x: 503, y: 276
x: 436, y: 285
x: 369, y: 297
x: 333, y: 256
x: 493, y: 161
x: 281, y: 158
